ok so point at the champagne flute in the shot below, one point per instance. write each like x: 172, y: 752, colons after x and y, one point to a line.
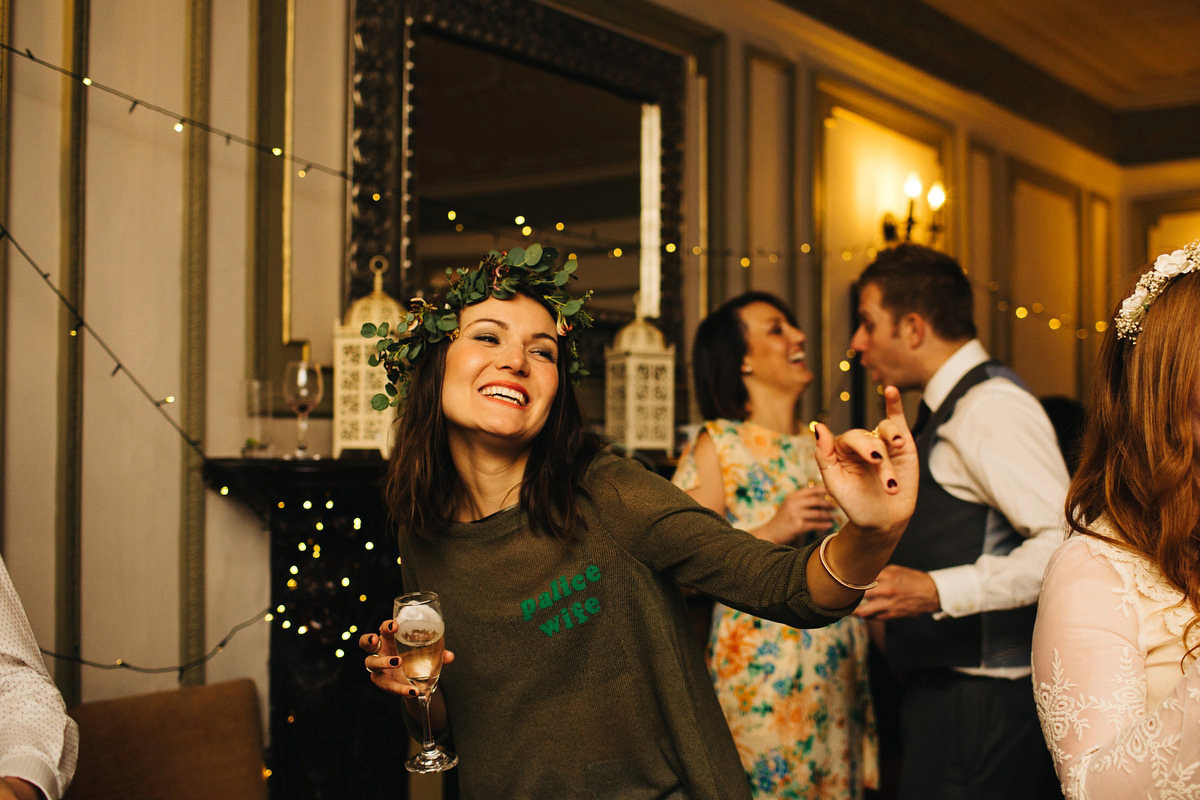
x: 302, y: 389
x: 420, y: 641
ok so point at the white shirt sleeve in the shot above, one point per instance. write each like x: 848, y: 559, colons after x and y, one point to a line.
x: 38, y: 741
x: 1089, y: 677
x: 999, y: 449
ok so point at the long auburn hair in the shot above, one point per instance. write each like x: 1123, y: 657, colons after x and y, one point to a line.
x: 1139, y: 467
x: 422, y: 488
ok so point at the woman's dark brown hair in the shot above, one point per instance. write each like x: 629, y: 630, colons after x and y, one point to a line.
x: 422, y: 487
x: 1138, y: 468
x: 717, y: 354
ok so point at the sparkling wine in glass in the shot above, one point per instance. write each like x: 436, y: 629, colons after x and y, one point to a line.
x: 420, y: 641
x: 302, y: 389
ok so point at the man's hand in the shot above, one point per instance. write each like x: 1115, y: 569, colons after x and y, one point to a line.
x: 902, y: 592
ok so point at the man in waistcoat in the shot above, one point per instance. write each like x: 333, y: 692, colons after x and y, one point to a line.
x: 959, y: 597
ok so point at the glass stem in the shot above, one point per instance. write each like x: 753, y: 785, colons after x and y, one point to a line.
x: 302, y: 433
x: 428, y: 745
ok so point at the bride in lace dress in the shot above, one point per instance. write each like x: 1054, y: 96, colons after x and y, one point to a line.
x: 1115, y: 650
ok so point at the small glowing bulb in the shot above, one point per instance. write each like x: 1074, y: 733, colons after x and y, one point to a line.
x: 1021, y: 312
x: 844, y: 365
x: 279, y: 608
x: 1054, y: 323
x: 526, y: 230
x: 375, y: 196
x: 276, y: 151
x: 87, y: 81
x: 307, y: 505
x: 670, y: 248
x: 179, y: 127
x: 936, y: 196
x: 357, y: 523
x: 745, y: 261
x: 697, y: 250
x: 320, y: 526
x: 369, y: 546
x: 345, y: 581
x: 451, y: 215
x: 302, y: 546
x: 329, y: 504
x: 617, y: 252
x: 339, y: 652
x: 520, y: 220
x: 1101, y: 326
x: 294, y: 569
x: 912, y: 186
x: 806, y: 247
x: 303, y: 173
x: 845, y: 397
x: 558, y: 226
x: 224, y: 490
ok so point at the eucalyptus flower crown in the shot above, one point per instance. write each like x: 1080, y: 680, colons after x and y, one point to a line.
x: 1152, y: 283
x: 528, y: 270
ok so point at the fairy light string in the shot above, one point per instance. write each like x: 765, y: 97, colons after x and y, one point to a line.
x: 81, y: 324
x: 120, y: 663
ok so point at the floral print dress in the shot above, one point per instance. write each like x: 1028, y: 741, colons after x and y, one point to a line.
x: 797, y: 701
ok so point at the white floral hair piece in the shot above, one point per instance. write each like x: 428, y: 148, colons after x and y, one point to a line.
x: 1166, y: 267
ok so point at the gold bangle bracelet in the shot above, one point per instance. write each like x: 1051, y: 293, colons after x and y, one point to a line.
x: 821, y: 555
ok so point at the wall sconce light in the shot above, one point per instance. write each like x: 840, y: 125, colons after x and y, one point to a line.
x: 936, y: 198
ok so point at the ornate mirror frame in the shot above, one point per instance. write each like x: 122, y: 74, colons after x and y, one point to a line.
x: 386, y: 98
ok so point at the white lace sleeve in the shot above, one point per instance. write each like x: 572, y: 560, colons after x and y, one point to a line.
x: 1089, y: 674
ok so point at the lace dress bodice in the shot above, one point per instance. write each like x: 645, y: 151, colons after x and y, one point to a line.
x: 1120, y: 714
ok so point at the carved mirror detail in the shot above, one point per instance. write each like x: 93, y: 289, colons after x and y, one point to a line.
x: 564, y: 102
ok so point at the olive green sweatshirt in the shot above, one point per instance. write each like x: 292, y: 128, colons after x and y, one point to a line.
x: 577, y: 674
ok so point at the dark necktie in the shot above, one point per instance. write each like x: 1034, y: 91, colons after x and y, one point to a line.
x: 922, y: 418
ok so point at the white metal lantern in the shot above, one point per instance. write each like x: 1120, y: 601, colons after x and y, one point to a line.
x: 639, y: 389
x: 355, y: 424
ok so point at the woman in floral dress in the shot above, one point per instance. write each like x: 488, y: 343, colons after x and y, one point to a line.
x: 797, y: 701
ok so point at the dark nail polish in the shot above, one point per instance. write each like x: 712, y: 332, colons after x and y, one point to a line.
x: 892, y: 483
x: 412, y: 692
x: 875, y: 454
x: 395, y: 662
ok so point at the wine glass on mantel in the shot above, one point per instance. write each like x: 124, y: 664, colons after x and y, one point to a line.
x: 302, y: 389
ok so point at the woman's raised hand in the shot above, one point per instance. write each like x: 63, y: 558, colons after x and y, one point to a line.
x: 872, y: 475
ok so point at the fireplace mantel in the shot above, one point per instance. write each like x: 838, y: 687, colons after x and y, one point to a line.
x: 334, y: 571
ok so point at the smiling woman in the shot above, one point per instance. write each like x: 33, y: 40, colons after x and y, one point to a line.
x: 502, y: 495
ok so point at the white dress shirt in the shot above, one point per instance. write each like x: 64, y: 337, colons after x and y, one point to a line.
x: 997, y: 449
x: 38, y: 741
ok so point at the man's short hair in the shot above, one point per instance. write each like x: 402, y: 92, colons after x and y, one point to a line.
x: 917, y: 279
